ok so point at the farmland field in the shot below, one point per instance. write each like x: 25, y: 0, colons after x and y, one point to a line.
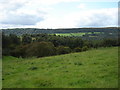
x: 96, y: 68
x: 76, y: 34
x: 70, y: 34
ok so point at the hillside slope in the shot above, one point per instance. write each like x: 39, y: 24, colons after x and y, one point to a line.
x: 91, y: 69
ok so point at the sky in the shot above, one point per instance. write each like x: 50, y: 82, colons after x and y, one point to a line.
x: 58, y: 13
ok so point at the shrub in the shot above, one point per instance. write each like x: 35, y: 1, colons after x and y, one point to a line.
x: 109, y: 42
x: 77, y: 49
x: 63, y: 50
x: 6, y: 52
x: 85, y: 48
x: 41, y: 49
x: 37, y: 49
x: 20, y: 51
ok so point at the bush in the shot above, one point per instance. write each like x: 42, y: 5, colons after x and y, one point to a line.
x: 6, y: 52
x: 63, y: 50
x: 38, y: 49
x: 85, y: 48
x: 41, y: 49
x: 20, y: 51
x: 109, y: 42
x: 77, y: 49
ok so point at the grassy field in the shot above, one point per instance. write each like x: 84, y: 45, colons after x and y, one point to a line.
x: 76, y: 34
x: 70, y: 34
x: 97, y: 68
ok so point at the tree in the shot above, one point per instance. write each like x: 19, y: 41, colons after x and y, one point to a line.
x: 109, y: 42
x: 9, y: 43
x: 5, y: 41
x: 26, y: 39
x: 14, y: 39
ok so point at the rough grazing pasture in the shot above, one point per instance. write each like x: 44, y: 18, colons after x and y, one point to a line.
x: 76, y: 34
x: 70, y: 34
x: 97, y: 68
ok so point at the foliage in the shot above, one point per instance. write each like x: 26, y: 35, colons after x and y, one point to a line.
x: 26, y: 39
x: 9, y: 43
x: 77, y: 49
x: 85, y: 48
x: 40, y: 49
x: 109, y: 42
x: 20, y: 51
x: 63, y: 50
x: 41, y: 45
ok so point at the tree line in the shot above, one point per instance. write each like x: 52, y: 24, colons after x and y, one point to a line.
x: 41, y: 45
x: 21, y: 31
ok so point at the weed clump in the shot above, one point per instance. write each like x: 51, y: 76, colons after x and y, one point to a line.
x: 78, y: 63
x: 33, y: 68
x: 43, y: 83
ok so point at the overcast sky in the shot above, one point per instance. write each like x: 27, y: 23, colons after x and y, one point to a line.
x: 58, y: 13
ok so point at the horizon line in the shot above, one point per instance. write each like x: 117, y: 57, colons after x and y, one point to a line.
x: 60, y: 28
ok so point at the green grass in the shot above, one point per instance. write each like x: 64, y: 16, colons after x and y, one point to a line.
x: 76, y: 34
x: 70, y: 34
x: 97, y: 68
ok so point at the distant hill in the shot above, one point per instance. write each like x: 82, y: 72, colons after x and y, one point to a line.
x: 21, y: 31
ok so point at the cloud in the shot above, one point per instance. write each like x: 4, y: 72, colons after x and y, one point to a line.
x: 82, y: 6
x: 42, y: 14
x: 17, y: 17
x: 21, y: 19
x: 16, y: 12
x: 88, y: 18
x: 55, y: 23
x: 49, y: 2
x: 98, y: 18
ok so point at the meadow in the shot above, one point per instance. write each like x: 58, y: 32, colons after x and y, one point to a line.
x: 76, y: 34
x: 95, y: 68
x: 70, y: 34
